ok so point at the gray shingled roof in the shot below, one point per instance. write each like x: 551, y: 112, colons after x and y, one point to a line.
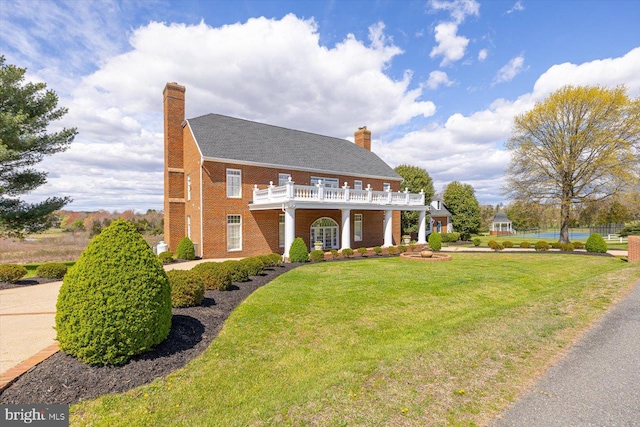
x: 501, y: 217
x: 229, y: 138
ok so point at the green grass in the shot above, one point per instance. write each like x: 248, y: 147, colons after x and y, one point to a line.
x: 381, y: 342
x: 31, y: 267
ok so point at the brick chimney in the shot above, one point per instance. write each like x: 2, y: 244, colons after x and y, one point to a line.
x: 363, y: 138
x: 174, y: 203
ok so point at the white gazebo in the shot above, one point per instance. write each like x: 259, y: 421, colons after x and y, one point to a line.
x: 501, y: 225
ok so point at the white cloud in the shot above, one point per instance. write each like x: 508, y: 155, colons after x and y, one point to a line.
x: 459, y: 9
x: 482, y: 55
x: 514, y: 67
x: 450, y: 45
x: 438, y: 78
x: 268, y: 70
x: 470, y: 148
x: 518, y: 7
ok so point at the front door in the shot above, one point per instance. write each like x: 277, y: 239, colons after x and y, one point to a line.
x: 325, y: 230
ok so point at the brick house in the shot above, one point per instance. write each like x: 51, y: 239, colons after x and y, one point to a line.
x: 239, y: 188
x: 440, y: 217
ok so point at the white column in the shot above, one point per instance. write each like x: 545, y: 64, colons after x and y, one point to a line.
x: 289, y: 229
x: 388, y: 229
x: 422, y: 228
x: 346, y: 229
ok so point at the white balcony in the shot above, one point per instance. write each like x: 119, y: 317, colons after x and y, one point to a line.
x: 321, y: 197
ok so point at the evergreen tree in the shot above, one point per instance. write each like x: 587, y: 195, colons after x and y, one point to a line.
x: 26, y: 109
x: 461, y: 201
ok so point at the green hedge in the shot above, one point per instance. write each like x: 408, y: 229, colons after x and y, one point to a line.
x: 317, y: 256
x: 435, y: 241
x: 115, y: 302
x: 298, y: 251
x: 11, y: 272
x: 51, y: 270
x: 186, y: 250
x: 215, y: 275
x: 187, y: 288
x: 596, y: 244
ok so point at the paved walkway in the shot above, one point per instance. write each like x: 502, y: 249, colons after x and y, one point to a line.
x: 596, y: 384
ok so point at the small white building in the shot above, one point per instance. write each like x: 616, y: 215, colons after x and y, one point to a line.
x: 501, y: 225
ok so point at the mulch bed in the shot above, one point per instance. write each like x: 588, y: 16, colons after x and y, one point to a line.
x: 26, y: 282
x: 64, y: 379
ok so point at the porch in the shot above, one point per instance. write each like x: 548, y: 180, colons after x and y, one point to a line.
x: 289, y: 197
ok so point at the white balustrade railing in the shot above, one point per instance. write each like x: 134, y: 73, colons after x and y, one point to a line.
x: 291, y: 192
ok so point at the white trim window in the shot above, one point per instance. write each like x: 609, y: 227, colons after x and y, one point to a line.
x: 386, y: 186
x: 188, y: 187
x: 283, y: 178
x: 234, y: 183
x: 189, y: 226
x: 281, y: 230
x: 357, y: 184
x: 234, y: 232
x: 328, y: 182
x: 357, y: 227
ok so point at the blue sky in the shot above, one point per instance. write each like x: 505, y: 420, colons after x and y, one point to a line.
x: 437, y: 82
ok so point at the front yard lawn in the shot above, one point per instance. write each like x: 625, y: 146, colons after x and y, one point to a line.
x: 381, y: 342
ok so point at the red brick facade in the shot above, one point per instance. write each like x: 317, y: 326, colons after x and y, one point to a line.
x: 634, y: 248
x: 196, y: 202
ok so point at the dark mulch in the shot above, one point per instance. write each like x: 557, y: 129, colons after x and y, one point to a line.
x: 26, y: 282
x: 63, y: 379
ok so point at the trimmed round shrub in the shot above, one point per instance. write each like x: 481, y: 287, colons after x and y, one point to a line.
x: 215, y: 275
x: 555, y: 245
x: 402, y: 248
x: 596, y: 244
x: 11, y: 272
x: 492, y: 244
x: 362, y: 251
x: 115, y: 301
x: 541, y: 246
x: 392, y: 250
x: 507, y: 244
x: 165, y: 257
x: 317, y: 256
x: 335, y: 254
x: 238, y: 271
x: 51, y: 270
x: 377, y: 250
x: 187, y: 288
x: 566, y: 247
x: 476, y: 241
x: 347, y: 252
x: 298, y: 251
x: 525, y: 245
x: 186, y: 250
x: 253, y: 265
x: 578, y: 245
x: 435, y: 241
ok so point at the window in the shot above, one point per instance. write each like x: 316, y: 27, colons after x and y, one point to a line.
x: 386, y: 186
x: 357, y: 227
x: 283, y: 178
x: 281, y: 231
x: 234, y: 232
x: 357, y: 184
x: 328, y: 182
x: 188, y: 187
x: 189, y: 226
x: 234, y: 183
x: 439, y: 226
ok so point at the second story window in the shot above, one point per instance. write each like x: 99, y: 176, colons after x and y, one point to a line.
x: 234, y: 183
x: 283, y: 178
x: 386, y: 186
x: 357, y: 184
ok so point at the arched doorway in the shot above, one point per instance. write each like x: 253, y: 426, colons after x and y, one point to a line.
x: 325, y: 230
